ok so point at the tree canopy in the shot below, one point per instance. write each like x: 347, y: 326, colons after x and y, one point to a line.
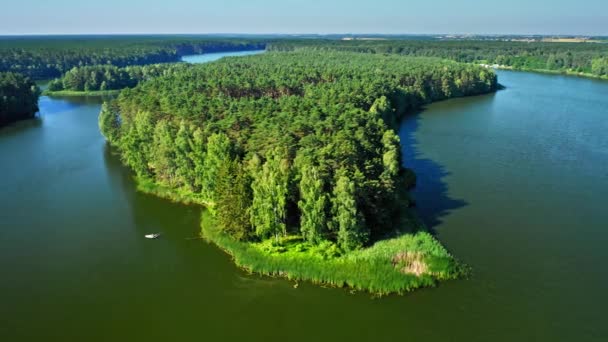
x: 310, y: 135
x: 110, y: 77
x: 576, y: 57
x: 18, y: 98
x: 51, y: 57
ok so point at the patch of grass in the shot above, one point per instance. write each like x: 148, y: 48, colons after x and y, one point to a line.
x: 556, y: 72
x: 376, y: 269
x: 81, y: 93
x: 399, y: 263
x: 149, y: 186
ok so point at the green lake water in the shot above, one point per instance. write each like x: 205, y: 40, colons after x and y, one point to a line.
x: 513, y: 183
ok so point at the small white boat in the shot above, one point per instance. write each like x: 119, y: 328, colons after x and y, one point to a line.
x: 152, y: 236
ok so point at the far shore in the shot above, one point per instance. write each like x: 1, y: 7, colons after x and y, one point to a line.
x: 81, y: 93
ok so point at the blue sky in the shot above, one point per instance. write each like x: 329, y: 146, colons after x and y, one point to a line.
x: 586, y: 17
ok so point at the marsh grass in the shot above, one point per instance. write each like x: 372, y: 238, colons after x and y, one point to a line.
x: 149, y: 186
x: 81, y: 93
x: 405, y: 259
x: 371, y: 269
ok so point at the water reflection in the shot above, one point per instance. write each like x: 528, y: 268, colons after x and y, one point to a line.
x: 431, y: 192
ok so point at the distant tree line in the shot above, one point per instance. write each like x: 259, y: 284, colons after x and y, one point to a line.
x: 51, y: 57
x: 588, y: 58
x: 109, y: 77
x: 285, y: 143
x: 18, y: 98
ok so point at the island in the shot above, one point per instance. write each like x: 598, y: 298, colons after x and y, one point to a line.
x: 296, y: 159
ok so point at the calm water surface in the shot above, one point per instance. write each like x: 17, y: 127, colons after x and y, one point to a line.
x: 210, y: 57
x: 513, y: 183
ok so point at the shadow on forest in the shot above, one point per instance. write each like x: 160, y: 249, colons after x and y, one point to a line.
x: 431, y: 192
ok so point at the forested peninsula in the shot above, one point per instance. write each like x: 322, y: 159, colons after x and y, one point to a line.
x: 584, y: 59
x: 18, y: 98
x: 107, y: 79
x: 296, y: 157
x: 43, y: 58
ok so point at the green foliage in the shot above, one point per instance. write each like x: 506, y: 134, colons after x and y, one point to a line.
x: 234, y: 196
x: 373, y: 269
x: 346, y: 218
x: 136, y: 142
x: 162, y: 158
x: 219, y: 152
x: 183, y: 151
x: 268, y: 210
x: 385, y: 110
x: 562, y: 57
x: 600, y: 66
x: 108, y: 77
x: 51, y: 57
x: 18, y: 98
x: 329, y: 109
x: 312, y: 204
x: 109, y: 122
x: 391, y: 156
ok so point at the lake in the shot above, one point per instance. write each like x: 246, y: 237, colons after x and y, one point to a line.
x: 210, y: 57
x: 513, y: 183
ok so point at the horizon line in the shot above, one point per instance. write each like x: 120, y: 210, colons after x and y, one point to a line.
x: 300, y: 34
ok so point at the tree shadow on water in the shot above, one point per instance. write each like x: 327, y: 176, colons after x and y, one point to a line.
x: 431, y: 192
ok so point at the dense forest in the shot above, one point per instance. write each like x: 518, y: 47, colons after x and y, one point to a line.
x: 18, y: 98
x: 51, y: 57
x: 109, y: 77
x: 589, y: 58
x: 285, y: 143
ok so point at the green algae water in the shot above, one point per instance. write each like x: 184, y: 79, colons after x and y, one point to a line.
x: 513, y: 183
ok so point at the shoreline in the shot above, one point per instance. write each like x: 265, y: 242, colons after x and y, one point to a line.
x: 547, y: 71
x: 81, y: 93
x: 376, y: 269
x: 396, y: 265
x: 399, y: 258
x: 411, y: 258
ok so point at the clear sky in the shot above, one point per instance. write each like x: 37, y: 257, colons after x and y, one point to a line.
x: 585, y: 17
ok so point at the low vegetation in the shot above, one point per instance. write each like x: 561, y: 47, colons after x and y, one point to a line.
x: 394, y: 265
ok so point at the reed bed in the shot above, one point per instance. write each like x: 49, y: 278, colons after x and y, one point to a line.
x: 374, y: 269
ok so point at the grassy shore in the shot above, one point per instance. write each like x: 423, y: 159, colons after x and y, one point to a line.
x: 81, y: 93
x: 184, y: 196
x: 400, y: 264
x: 409, y: 259
x: 554, y: 72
